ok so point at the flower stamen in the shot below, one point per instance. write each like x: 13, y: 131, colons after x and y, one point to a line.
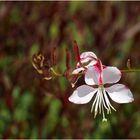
x: 94, y: 102
x: 101, y: 101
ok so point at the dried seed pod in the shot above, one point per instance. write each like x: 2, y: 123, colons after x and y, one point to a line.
x: 37, y: 62
x: 47, y: 74
x: 68, y: 57
x: 53, y: 57
x: 77, y: 52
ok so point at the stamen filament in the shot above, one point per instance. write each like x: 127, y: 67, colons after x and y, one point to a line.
x: 97, y: 104
x: 108, y: 102
x: 102, y: 93
x: 101, y: 101
x: 94, y: 102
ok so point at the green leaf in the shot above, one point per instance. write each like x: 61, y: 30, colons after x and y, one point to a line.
x: 54, y: 30
x: 5, y: 62
x: 22, y: 110
x: 34, y: 133
x: 16, y: 92
x: 34, y: 49
x: 53, y: 117
x: 65, y: 122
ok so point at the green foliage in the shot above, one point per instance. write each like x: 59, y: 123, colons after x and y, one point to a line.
x: 15, y: 15
x: 102, y: 130
x: 5, y: 62
x: 53, y: 117
x: 34, y: 49
x: 22, y: 108
x: 54, y: 30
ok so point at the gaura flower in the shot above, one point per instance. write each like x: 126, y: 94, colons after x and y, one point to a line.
x: 86, y: 59
x: 98, y: 77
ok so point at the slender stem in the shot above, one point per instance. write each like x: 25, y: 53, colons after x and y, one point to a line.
x: 55, y: 73
x: 130, y: 70
x: 123, y: 71
x: 80, y: 74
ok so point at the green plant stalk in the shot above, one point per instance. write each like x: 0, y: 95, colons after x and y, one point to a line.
x: 123, y: 71
x: 130, y: 70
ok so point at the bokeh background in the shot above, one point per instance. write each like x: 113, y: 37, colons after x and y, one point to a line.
x: 31, y: 107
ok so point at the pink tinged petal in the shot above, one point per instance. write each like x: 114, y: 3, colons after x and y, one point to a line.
x: 86, y: 57
x: 82, y: 94
x: 91, y: 62
x: 120, y: 93
x: 78, y: 70
x: 88, y: 54
x: 111, y: 75
x: 92, y: 76
x: 99, y: 68
x: 85, y: 60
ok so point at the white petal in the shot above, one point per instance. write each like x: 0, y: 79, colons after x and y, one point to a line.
x: 92, y: 76
x: 82, y: 94
x: 78, y: 70
x: 120, y: 93
x: 111, y: 75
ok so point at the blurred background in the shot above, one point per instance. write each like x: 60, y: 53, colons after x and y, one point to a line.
x: 31, y: 107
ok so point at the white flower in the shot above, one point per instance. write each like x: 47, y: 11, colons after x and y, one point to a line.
x: 86, y: 59
x: 100, y: 76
